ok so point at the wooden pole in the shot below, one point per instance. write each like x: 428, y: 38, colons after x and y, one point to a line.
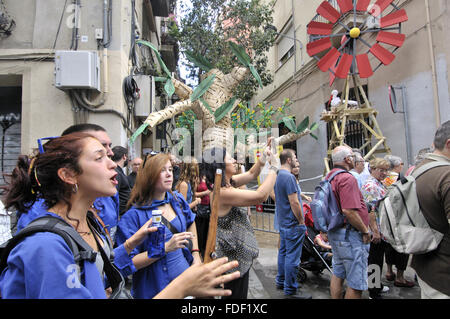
x: 212, y: 230
x: 344, y: 119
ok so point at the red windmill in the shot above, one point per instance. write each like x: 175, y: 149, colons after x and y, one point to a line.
x: 341, y: 40
x: 359, y: 21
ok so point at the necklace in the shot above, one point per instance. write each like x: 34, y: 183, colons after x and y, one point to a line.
x: 82, y: 233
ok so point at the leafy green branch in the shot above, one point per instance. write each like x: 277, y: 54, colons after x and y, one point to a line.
x: 290, y: 124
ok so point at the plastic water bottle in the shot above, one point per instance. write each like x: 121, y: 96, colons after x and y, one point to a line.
x: 155, y: 247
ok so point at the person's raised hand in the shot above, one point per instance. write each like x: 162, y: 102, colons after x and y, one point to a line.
x: 203, y: 280
x: 139, y: 236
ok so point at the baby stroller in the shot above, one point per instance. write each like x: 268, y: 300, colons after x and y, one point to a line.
x: 311, y: 259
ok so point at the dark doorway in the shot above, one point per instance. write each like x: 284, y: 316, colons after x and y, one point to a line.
x: 10, y: 120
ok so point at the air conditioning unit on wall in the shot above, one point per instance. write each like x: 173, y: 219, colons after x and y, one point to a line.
x: 77, y: 70
x: 145, y: 104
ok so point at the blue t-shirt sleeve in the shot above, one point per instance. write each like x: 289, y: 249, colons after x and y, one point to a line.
x: 128, y: 225
x: 291, y: 184
x: 42, y: 267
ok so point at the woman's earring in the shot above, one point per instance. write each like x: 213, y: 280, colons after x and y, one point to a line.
x: 75, y: 188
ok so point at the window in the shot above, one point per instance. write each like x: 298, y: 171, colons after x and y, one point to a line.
x: 285, y: 44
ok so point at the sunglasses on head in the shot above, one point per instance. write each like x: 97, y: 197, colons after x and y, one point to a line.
x: 39, y: 141
x: 152, y: 153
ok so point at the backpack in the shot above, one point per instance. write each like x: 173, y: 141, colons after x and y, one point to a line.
x: 324, y: 207
x: 402, y: 222
x: 80, y: 249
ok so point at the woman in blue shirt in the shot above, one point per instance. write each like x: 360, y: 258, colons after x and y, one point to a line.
x: 68, y: 176
x: 73, y: 171
x: 152, y: 191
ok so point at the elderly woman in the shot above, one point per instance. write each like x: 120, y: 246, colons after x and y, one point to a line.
x: 374, y: 190
x: 392, y: 256
x: 395, y: 169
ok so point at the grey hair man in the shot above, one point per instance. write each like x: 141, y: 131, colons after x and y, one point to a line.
x: 349, y: 264
x: 358, y: 168
x: 433, y: 193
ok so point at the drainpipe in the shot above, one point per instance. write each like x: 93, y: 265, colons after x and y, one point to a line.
x: 433, y: 67
x: 295, y: 44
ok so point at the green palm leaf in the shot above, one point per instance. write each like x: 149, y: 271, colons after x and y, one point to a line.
x: 240, y: 53
x: 199, y: 60
x: 289, y: 123
x: 255, y: 74
x: 169, y: 87
x: 224, y: 109
x: 139, y: 131
x: 202, y: 88
x: 208, y: 107
x: 314, y: 126
x: 303, y: 125
x: 158, y: 56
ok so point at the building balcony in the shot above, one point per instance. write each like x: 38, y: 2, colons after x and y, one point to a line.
x: 169, y: 47
x: 162, y: 8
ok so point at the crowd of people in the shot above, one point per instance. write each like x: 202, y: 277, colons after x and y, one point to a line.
x: 75, y: 176
x: 360, y: 244
x: 79, y: 175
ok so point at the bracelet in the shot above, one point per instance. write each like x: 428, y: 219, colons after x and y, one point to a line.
x: 195, y: 250
x: 274, y: 168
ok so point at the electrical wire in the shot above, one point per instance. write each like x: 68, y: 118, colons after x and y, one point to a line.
x: 77, y: 101
x: 59, y: 26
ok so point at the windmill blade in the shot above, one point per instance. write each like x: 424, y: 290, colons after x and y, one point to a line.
x: 345, y: 5
x: 382, y: 54
x: 379, y: 7
x: 332, y: 74
x: 329, y: 60
x: 318, y: 46
x: 319, y: 28
x: 362, y: 5
x: 364, y: 67
x: 394, y: 18
x: 327, y: 11
x: 395, y: 39
x: 344, y: 66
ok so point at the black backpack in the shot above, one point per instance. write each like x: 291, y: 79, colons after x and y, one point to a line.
x: 80, y: 249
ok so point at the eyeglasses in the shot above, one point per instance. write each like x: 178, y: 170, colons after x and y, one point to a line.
x: 39, y: 141
x: 382, y: 170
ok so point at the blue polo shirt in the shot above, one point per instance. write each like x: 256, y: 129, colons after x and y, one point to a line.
x: 285, y: 185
